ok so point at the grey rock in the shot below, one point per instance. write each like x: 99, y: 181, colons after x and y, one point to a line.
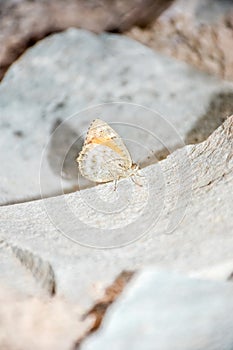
x: 76, y: 73
x: 165, y: 311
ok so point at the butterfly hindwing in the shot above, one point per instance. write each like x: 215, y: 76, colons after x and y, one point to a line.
x: 104, y: 156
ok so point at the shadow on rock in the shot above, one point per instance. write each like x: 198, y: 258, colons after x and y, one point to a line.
x: 220, y: 107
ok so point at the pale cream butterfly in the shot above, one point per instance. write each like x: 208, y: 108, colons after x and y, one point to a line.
x: 104, y: 156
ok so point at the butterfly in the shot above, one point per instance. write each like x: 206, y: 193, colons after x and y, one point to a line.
x: 104, y: 156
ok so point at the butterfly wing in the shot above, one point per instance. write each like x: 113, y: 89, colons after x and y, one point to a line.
x: 104, y: 157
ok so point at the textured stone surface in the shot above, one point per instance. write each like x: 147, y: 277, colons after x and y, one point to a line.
x: 198, y: 32
x: 45, y: 87
x: 24, y: 22
x: 180, y: 219
x: 36, y: 275
x: 166, y: 311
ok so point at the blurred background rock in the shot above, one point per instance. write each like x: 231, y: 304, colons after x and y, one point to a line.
x: 196, y: 31
x: 199, y: 32
x: 24, y: 22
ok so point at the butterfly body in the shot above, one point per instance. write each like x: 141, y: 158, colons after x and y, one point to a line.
x: 104, y: 157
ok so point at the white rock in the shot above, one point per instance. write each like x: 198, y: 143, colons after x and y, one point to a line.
x: 182, y: 222
x: 68, y: 74
x: 165, y: 311
x: 36, y: 274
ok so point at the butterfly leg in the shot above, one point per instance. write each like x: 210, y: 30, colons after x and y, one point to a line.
x: 139, y: 175
x: 137, y: 172
x: 115, y: 184
x: 134, y: 181
x: 114, y: 181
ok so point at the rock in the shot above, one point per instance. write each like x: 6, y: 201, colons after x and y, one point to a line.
x: 111, y: 293
x: 198, y: 32
x: 23, y: 22
x: 222, y: 271
x: 162, y: 310
x: 39, y: 323
x: 45, y: 87
x: 34, y: 272
x: 180, y: 218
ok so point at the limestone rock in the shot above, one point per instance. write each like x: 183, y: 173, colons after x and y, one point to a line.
x: 179, y: 219
x: 161, y: 310
x: 36, y: 275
